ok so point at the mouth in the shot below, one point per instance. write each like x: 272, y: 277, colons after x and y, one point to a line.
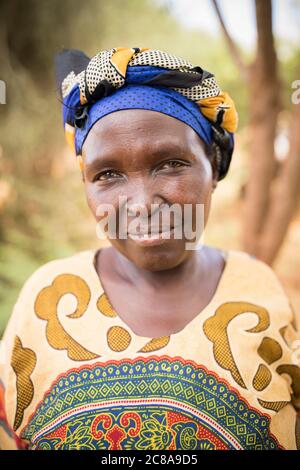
x: 152, y: 238
x: 152, y: 230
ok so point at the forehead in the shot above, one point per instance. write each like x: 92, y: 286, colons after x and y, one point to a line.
x: 134, y: 129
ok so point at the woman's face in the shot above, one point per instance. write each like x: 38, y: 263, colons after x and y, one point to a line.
x: 148, y: 158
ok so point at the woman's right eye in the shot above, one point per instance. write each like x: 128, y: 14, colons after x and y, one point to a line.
x: 107, y: 174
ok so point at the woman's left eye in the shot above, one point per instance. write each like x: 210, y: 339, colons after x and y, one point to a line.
x: 171, y: 164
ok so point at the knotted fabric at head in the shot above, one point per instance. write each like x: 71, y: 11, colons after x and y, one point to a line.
x: 139, y: 78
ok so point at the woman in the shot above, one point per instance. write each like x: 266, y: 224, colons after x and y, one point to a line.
x: 150, y: 343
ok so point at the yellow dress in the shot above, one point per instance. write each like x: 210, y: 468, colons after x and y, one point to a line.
x: 74, y: 376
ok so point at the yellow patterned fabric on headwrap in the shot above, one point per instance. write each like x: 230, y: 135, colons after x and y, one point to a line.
x: 212, y: 108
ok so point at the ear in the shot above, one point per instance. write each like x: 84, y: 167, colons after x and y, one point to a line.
x: 215, y: 172
x: 214, y: 184
x: 211, y: 154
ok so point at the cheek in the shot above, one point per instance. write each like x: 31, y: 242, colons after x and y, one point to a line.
x: 197, y: 189
x: 96, y: 197
x: 91, y: 198
x: 192, y: 188
x: 204, y: 194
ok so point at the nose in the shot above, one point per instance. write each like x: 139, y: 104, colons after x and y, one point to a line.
x: 141, y: 196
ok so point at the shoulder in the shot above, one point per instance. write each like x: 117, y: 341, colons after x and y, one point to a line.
x: 252, y: 280
x: 61, y: 271
x: 252, y: 270
x: 58, y: 276
x: 74, y: 264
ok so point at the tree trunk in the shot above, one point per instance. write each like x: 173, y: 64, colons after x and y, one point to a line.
x: 264, y: 105
x: 270, y: 201
x: 286, y: 197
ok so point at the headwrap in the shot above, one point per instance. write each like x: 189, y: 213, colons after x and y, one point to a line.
x: 140, y: 78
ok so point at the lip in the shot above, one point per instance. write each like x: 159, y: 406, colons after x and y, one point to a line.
x: 152, y: 230
x: 153, y: 239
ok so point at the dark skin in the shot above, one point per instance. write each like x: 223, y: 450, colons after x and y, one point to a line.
x: 152, y: 158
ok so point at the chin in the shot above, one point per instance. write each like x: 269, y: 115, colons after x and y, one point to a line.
x: 158, y: 258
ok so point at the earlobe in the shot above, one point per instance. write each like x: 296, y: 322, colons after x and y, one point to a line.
x: 214, y: 184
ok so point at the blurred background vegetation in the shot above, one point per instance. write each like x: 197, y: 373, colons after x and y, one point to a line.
x: 43, y: 212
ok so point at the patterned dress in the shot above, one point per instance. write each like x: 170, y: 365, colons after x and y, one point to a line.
x: 74, y: 375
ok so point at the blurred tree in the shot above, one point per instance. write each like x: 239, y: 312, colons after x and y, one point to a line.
x: 272, y: 191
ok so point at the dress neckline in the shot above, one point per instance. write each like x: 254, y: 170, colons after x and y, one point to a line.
x: 227, y: 255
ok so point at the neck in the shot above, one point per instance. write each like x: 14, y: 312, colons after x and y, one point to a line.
x: 194, y: 263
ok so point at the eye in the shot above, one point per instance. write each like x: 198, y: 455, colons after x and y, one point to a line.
x: 107, y: 175
x: 172, y: 164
